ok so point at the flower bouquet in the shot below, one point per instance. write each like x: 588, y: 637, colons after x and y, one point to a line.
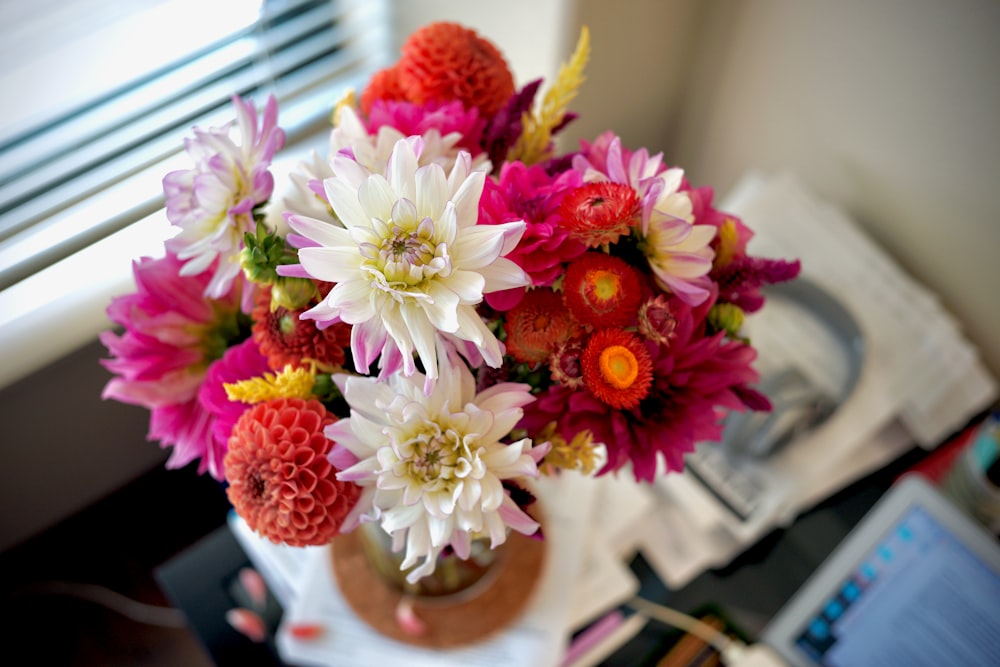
x: 439, y: 310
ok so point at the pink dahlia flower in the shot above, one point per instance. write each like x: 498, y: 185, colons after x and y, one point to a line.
x: 531, y: 194
x: 213, y: 202
x: 412, y: 119
x: 695, y: 380
x: 240, y: 362
x: 171, y: 335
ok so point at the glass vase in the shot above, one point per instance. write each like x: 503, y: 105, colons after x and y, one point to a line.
x: 453, y: 577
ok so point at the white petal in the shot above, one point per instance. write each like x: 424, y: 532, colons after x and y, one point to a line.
x: 684, y: 265
x: 354, y: 300
x: 493, y: 493
x: 503, y: 274
x: 467, y: 199
x: 367, y: 341
x: 496, y: 528
x: 477, y: 246
x: 333, y: 265
x: 401, y: 516
x: 398, y: 331
x: 368, y: 431
x: 471, y: 494
x: 343, y: 198
x: 322, y: 232
x: 440, y: 530
x: 503, y: 456
x: 441, y: 308
x: 401, y: 170
x: 504, y: 396
x: 432, y: 191
x: 377, y: 197
x: 360, y: 472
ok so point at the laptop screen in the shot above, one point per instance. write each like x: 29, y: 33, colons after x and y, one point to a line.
x: 916, y: 595
x: 919, y: 597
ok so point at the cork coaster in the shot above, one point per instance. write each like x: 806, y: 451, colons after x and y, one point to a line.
x: 450, y: 622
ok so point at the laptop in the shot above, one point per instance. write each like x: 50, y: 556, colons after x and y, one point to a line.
x: 917, y: 582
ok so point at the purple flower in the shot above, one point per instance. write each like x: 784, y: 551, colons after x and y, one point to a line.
x: 213, y: 202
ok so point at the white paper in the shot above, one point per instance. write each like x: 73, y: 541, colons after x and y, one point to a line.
x: 619, y: 511
x: 281, y: 566
x: 604, y: 582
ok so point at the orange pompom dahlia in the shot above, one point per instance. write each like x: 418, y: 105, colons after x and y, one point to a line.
x: 384, y: 85
x: 445, y: 61
x: 280, y: 480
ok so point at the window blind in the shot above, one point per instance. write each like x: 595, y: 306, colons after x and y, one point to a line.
x: 76, y: 176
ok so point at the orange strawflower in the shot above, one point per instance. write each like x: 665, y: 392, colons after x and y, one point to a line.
x: 445, y: 61
x: 599, y: 213
x: 601, y: 290
x: 617, y: 368
x: 537, y: 326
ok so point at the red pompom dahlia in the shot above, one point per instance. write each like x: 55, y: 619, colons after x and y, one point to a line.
x: 280, y: 480
x: 446, y: 61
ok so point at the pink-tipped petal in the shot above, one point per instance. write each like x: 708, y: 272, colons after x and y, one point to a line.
x: 254, y: 585
x: 407, y: 619
x: 247, y: 623
x: 306, y: 631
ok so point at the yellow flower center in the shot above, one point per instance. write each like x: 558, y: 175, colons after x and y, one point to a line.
x: 619, y: 367
x: 606, y: 285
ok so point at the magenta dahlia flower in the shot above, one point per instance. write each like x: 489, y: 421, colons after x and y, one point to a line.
x: 417, y: 120
x: 531, y: 194
x: 240, y: 362
x: 171, y: 336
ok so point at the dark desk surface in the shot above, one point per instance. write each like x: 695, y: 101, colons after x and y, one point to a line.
x: 750, y: 590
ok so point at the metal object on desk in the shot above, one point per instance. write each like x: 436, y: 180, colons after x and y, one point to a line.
x: 800, y: 403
